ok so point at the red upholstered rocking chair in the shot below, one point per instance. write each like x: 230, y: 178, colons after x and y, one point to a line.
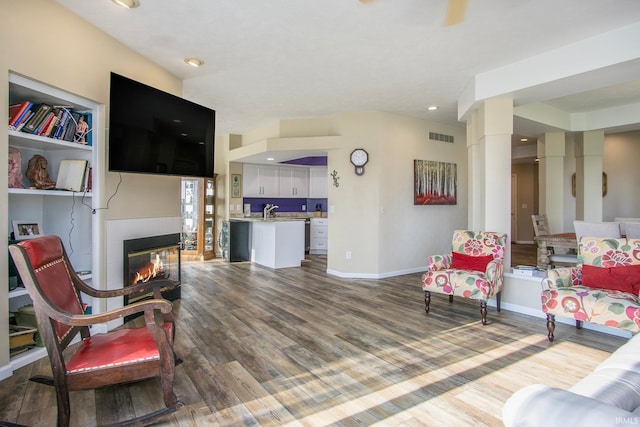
x: 116, y: 357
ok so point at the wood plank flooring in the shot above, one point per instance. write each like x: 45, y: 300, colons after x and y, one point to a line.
x: 298, y: 347
x: 524, y: 254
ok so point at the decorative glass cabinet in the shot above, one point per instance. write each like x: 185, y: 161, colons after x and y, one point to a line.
x: 198, y: 218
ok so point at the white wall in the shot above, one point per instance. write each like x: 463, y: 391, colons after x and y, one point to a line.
x: 408, y: 233
x: 374, y: 217
x: 620, y: 162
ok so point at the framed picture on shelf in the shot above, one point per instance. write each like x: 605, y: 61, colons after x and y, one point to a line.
x: 26, y: 229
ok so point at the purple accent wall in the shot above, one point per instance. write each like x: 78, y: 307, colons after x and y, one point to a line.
x: 308, y: 161
x: 286, y: 204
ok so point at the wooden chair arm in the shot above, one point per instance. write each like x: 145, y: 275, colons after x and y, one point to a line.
x: 151, y: 285
x: 91, y: 319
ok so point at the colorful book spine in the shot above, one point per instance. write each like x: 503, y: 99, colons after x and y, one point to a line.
x: 40, y: 114
x: 59, y: 133
x: 44, y: 124
x: 16, y: 112
x: 25, y: 118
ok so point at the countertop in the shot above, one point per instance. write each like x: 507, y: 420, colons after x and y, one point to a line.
x: 278, y: 217
x: 275, y: 219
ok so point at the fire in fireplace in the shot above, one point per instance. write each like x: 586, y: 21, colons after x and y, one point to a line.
x: 152, y: 258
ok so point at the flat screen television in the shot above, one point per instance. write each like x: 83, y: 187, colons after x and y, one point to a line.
x: 154, y: 132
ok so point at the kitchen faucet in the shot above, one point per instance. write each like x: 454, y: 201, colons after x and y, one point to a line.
x: 268, y: 210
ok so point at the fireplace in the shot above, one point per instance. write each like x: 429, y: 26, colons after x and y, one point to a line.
x: 152, y: 258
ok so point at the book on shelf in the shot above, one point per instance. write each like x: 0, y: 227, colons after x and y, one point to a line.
x: 44, y: 125
x: 52, y: 121
x: 70, y: 130
x: 525, y: 267
x: 40, y: 114
x: 59, y: 132
x: 25, y: 117
x: 528, y: 271
x: 71, y: 175
x: 17, y: 111
x: 88, y: 182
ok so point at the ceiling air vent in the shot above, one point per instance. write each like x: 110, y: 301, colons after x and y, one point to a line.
x: 440, y: 137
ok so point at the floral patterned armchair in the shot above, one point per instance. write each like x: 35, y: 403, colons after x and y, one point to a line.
x: 474, y: 269
x: 602, y: 289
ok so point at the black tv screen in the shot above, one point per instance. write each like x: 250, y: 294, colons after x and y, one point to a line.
x: 154, y: 132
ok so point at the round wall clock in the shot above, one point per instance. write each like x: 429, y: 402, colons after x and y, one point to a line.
x: 359, y: 158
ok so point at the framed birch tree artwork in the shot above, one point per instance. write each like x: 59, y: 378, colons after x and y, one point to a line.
x: 435, y: 183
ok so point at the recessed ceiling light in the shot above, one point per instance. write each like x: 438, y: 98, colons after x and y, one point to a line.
x: 432, y: 108
x: 194, y: 62
x: 270, y: 159
x: 129, y: 4
x: 524, y: 139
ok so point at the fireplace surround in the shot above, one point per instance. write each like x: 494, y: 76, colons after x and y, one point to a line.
x: 152, y: 258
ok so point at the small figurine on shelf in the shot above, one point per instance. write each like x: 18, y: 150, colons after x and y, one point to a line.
x: 38, y: 174
x: 15, y: 168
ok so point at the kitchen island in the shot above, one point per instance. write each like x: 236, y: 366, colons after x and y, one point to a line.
x: 277, y: 243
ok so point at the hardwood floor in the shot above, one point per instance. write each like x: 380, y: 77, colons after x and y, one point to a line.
x: 300, y: 347
x: 524, y: 254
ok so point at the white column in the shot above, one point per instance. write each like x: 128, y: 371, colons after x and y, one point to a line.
x: 551, y: 152
x: 497, y: 130
x: 489, y: 152
x: 589, y: 148
x: 475, y: 175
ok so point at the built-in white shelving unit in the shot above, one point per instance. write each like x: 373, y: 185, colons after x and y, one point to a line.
x: 70, y: 215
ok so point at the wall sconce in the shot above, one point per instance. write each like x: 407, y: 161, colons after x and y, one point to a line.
x: 335, y: 177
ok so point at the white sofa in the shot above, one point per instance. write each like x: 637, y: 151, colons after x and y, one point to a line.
x: 609, y: 396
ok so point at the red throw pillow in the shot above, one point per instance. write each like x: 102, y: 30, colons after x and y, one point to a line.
x: 469, y: 262
x: 625, y: 278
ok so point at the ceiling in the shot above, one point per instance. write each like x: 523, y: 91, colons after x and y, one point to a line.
x: 284, y: 59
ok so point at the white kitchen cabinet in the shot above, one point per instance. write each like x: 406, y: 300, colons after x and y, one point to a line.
x: 318, y: 183
x: 318, y: 236
x: 260, y: 181
x: 277, y: 244
x: 293, y: 181
x: 284, y: 181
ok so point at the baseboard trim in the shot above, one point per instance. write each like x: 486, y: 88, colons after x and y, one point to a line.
x: 564, y: 320
x: 376, y: 275
x: 5, y: 372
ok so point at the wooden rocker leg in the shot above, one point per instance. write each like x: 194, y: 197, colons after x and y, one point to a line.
x: 578, y: 324
x: 42, y: 379
x: 427, y: 300
x: 64, y: 408
x: 551, y: 326
x: 451, y: 298
x: 483, y: 312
